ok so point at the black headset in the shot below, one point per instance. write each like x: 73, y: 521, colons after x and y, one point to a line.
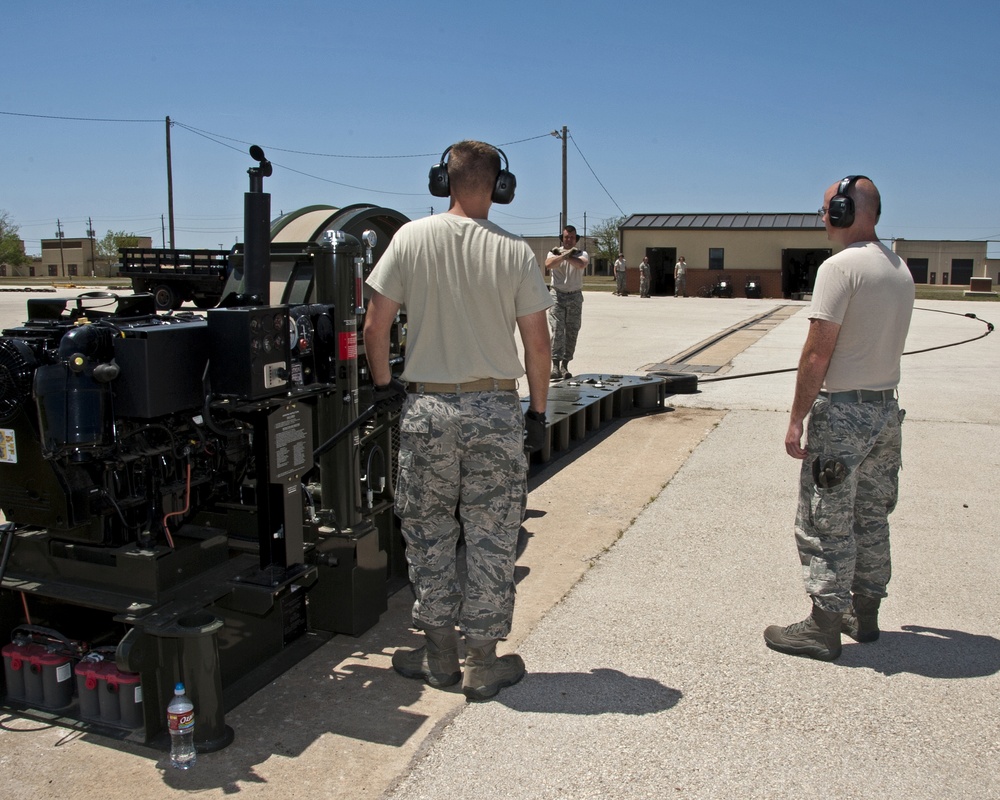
x: 503, y: 188
x: 840, y: 212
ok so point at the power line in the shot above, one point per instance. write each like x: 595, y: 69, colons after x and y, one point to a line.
x: 211, y: 138
x: 331, y: 155
x: 595, y: 174
x: 76, y: 119
x: 214, y: 137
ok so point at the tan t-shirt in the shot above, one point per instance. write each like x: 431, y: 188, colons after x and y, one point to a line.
x: 566, y: 277
x: 868, y: 290
x: 463, y: 283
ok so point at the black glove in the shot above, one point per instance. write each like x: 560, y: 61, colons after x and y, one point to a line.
x: 389, y: 398
x: 534, y: 430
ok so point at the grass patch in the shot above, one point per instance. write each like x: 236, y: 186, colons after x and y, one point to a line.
x: 928, y: 292
x: 598, y: 283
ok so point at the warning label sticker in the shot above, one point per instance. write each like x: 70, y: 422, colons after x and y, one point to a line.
x: 348, y: 346
x: 8, y: 447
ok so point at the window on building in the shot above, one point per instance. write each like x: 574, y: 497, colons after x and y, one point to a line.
x: 918, y: 269
x: 961, y: 271
x: 71, y: 268
x: 716, y: 257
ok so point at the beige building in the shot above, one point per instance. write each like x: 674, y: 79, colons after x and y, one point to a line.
x: 69, y: 258
x: 947, y: 263
x: 782, y: 250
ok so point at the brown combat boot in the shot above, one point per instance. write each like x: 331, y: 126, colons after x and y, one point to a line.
x: 861, y: 622
x: 485, y: 672
x: 817, y: 636
x: 436, y: 662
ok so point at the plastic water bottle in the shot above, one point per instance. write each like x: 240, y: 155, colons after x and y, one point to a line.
x: 180, y: 723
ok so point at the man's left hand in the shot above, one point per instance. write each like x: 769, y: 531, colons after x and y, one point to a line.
x: 534, y: 430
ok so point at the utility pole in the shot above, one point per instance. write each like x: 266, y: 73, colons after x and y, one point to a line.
x: 90, y: 235
x: 170, y: 187
x: 62, y: 258
x: 564, y: 220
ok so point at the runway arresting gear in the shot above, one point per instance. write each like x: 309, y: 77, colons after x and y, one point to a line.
x: 861, y: 622
x: 485, y: 672
x: 817, y: 636
x: 678, y: 382
x: 436, y: 663
x: 582, y: 404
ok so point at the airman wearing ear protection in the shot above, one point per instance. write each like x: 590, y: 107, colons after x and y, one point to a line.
x: 846, y: 384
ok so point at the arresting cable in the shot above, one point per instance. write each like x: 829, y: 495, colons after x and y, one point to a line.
x: 983, y: 335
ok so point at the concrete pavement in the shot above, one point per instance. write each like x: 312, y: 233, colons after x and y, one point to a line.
x: 655, y: 555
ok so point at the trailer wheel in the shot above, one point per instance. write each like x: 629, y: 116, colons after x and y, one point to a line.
x: 165, y: 297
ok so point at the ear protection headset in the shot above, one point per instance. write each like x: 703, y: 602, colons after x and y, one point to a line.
x: 840, y: 212
x: 503, y: 188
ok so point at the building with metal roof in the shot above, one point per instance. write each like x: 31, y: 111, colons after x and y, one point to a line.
x: 782, y: 251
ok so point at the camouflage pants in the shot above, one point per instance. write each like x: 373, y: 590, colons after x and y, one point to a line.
x: 847, y: 489
x: 462, y: 470
x: 565, y: 318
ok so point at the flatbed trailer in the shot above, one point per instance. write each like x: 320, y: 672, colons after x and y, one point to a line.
x: 174, y: 276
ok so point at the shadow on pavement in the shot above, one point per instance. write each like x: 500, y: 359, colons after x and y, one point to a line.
x: 601, y: 691
x: 931, y: 652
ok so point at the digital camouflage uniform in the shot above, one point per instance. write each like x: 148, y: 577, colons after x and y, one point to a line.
x: 847, y: 488
x: 462, y: 454
x: 565, y: 318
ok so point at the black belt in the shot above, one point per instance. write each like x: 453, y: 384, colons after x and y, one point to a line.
x: 861, y: 396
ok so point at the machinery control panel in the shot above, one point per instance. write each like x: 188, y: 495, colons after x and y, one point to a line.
x: 249, y: 351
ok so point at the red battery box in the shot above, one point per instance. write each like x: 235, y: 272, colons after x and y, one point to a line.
x: 107, y: 694
x: 37, y: 676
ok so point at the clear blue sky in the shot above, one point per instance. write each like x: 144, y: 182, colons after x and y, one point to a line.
x: 671, y: 107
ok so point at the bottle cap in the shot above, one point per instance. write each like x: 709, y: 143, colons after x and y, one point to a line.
x: 179, y: 688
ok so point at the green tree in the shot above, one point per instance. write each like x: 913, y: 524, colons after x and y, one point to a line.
x: 606, y: 239
x: 11, y: 246
x: 107, y: 247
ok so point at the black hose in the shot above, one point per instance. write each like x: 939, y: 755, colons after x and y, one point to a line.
x: 987, y: 332
x: 350, y: 426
